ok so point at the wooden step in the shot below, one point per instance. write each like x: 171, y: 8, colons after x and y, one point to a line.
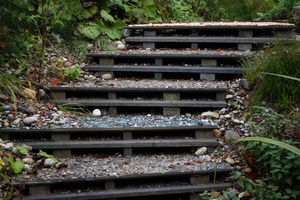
x: 212, y: 35
x: 62, y: 141
x: 189, y: 182
x: 239, y: 43
x: 215, y: 26
x: 129, y: 147
x: 115, y: 93
x: 160, y: 72
x: 167, y: 107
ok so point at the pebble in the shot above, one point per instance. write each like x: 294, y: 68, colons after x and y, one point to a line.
x: 201, y: 151
x: 248, y: 170
x: 228, y: 96
x: 49, y: 162
x: 16, y: 121
x: 227, y: 117
x: 223, y: 111
x: 96, y: 113
x: 230, y: 160
x: 28, y: 160
x: 217, y: 133
x: 31, y: 110
x: 213, y: 115
x: 30, y: 120
x: 106, y: 76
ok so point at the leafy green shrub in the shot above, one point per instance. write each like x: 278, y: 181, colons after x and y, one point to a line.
x: 280, y: 165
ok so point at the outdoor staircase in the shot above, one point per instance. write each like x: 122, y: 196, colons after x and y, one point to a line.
x: 195, y: 52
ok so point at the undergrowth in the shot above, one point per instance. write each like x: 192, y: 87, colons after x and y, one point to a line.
x: 279, y: 58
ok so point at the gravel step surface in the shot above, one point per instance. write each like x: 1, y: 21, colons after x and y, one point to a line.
x: 96, y: 166
x: 172, y: 53
x: 94, y: 81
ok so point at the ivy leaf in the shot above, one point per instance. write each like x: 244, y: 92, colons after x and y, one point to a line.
x: 16, y: 166
x: 91, y: 30
x: 107, y: 17
x: 21, y: 149
x: 44, y: 154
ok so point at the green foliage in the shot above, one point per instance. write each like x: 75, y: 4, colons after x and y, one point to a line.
x: 74, y: 72
x: 271, y: 141
x: 44, y: 154
x: 89, y: 29
x: 282, y: 165
x: 22, y: 149
x: 11, y: 86
x: 17, y: 166
x: 280, y: 10
x: 257, y: 189
x: 281, y: 59
x: 186, y: 11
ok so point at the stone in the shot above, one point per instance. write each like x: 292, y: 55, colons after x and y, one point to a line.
x: 31, y: 110
x: 245, y: 84
x: 229, y: 96
x: 248, y: 170
x: 241, y: 195
x: 227, y: 117
x: 5, y: 108
x: 28, y: 168
x: 29, y: 148
x: 217, y: 133
x: 28, y: 161
x: 30, y: 93
x: 222, y: 111
x: 230, y: 136
x: 42, y: 93
x: 7, y: 146
x: 127, y: 33
x: 15, y: 151
x: 16, y: 121
x: 201, y: 151
x: 116, y: 43
x: 96, y: 113
x: 208, y: 158
x: 29, y: 120
x: 230, y: 160
x: 121, y: 46
x: 106, y: 76
x: 236, y: 121
x: 213, y: 115
x: 49, y: 162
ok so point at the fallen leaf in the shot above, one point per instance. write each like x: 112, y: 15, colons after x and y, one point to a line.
x: 212, y: 192
x: 198, y: 161
x: 60, y: 166
x: 171, y: 166
x: 13, y: 112
x: 297, y: 135
x: 126, y: 163
x: 249, y: 158
x: 39, y: 122
x: 250, y: 175
x: 156, y: 118
x: 189, y: 163
x: 224, y: 156
x: 54, y: 82
x: 2, y: 45
x: 50, y: 105
x: 102, y: 156
x: 220, y: 50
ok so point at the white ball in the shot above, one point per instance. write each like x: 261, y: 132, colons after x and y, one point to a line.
x: 96, y: 113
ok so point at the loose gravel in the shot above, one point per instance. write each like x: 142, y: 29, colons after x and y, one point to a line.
x: 93, y: 166
x: 94, y: 81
